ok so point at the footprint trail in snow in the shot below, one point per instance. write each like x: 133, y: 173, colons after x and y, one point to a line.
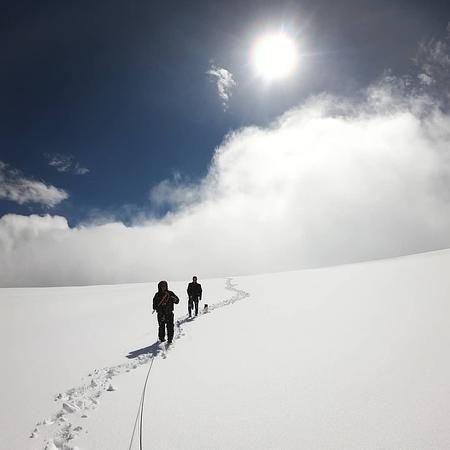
x: 76, y: 403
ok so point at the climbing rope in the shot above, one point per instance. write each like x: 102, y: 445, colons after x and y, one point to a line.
x: 140, y: 413
x: 239, y: 295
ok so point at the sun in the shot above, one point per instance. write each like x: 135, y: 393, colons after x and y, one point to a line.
x: 275, y: 56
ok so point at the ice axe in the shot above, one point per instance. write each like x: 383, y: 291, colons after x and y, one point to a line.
x: 164, y: 299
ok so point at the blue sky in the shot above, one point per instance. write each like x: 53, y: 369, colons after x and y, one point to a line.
x: 122, y: 90
x: 138, y: 142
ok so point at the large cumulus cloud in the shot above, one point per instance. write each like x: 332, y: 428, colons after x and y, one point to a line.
x: 331, y: 181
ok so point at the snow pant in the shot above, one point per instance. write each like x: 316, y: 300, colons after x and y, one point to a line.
x: 165, y: 319
x: 193, y: 303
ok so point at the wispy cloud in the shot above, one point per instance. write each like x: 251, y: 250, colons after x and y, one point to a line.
x: 65, y: 163
x: 433, y: 61
x: 224, y: 81
x: 14, y: 186
x: 175, y: 192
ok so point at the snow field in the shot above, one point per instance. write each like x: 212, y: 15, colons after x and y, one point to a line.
x: 348, y: 357
x: 71, y: 337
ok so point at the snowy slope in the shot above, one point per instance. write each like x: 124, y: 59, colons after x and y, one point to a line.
x: 349, y: 357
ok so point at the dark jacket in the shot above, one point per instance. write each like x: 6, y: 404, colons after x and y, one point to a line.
x: 195, y: 290
x: 164, y: 301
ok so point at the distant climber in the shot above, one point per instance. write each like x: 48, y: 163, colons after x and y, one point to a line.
x: 194, y: 292
x: 163, y: 302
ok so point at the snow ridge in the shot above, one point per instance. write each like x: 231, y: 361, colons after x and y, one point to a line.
x: 76, y: 403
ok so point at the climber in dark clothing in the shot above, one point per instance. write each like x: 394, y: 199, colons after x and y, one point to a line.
x: 163, y: 302
x: 194, y: 292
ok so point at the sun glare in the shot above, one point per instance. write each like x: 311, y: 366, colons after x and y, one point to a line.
x: 275, y: 56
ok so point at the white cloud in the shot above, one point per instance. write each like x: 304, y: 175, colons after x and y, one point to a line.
x: 78, y: 170
x: 332, y: 181
x: 175, y: 192
x: 65, y: 163
x: 16, y: 228
x: 61, y: 163
x: 17, y: 188
x: 224, y: 81
x: 433, y: 61
x: 329, y: 182
x: 425, y: 79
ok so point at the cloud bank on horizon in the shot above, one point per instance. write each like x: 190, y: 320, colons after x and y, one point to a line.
x: 332, y: 181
